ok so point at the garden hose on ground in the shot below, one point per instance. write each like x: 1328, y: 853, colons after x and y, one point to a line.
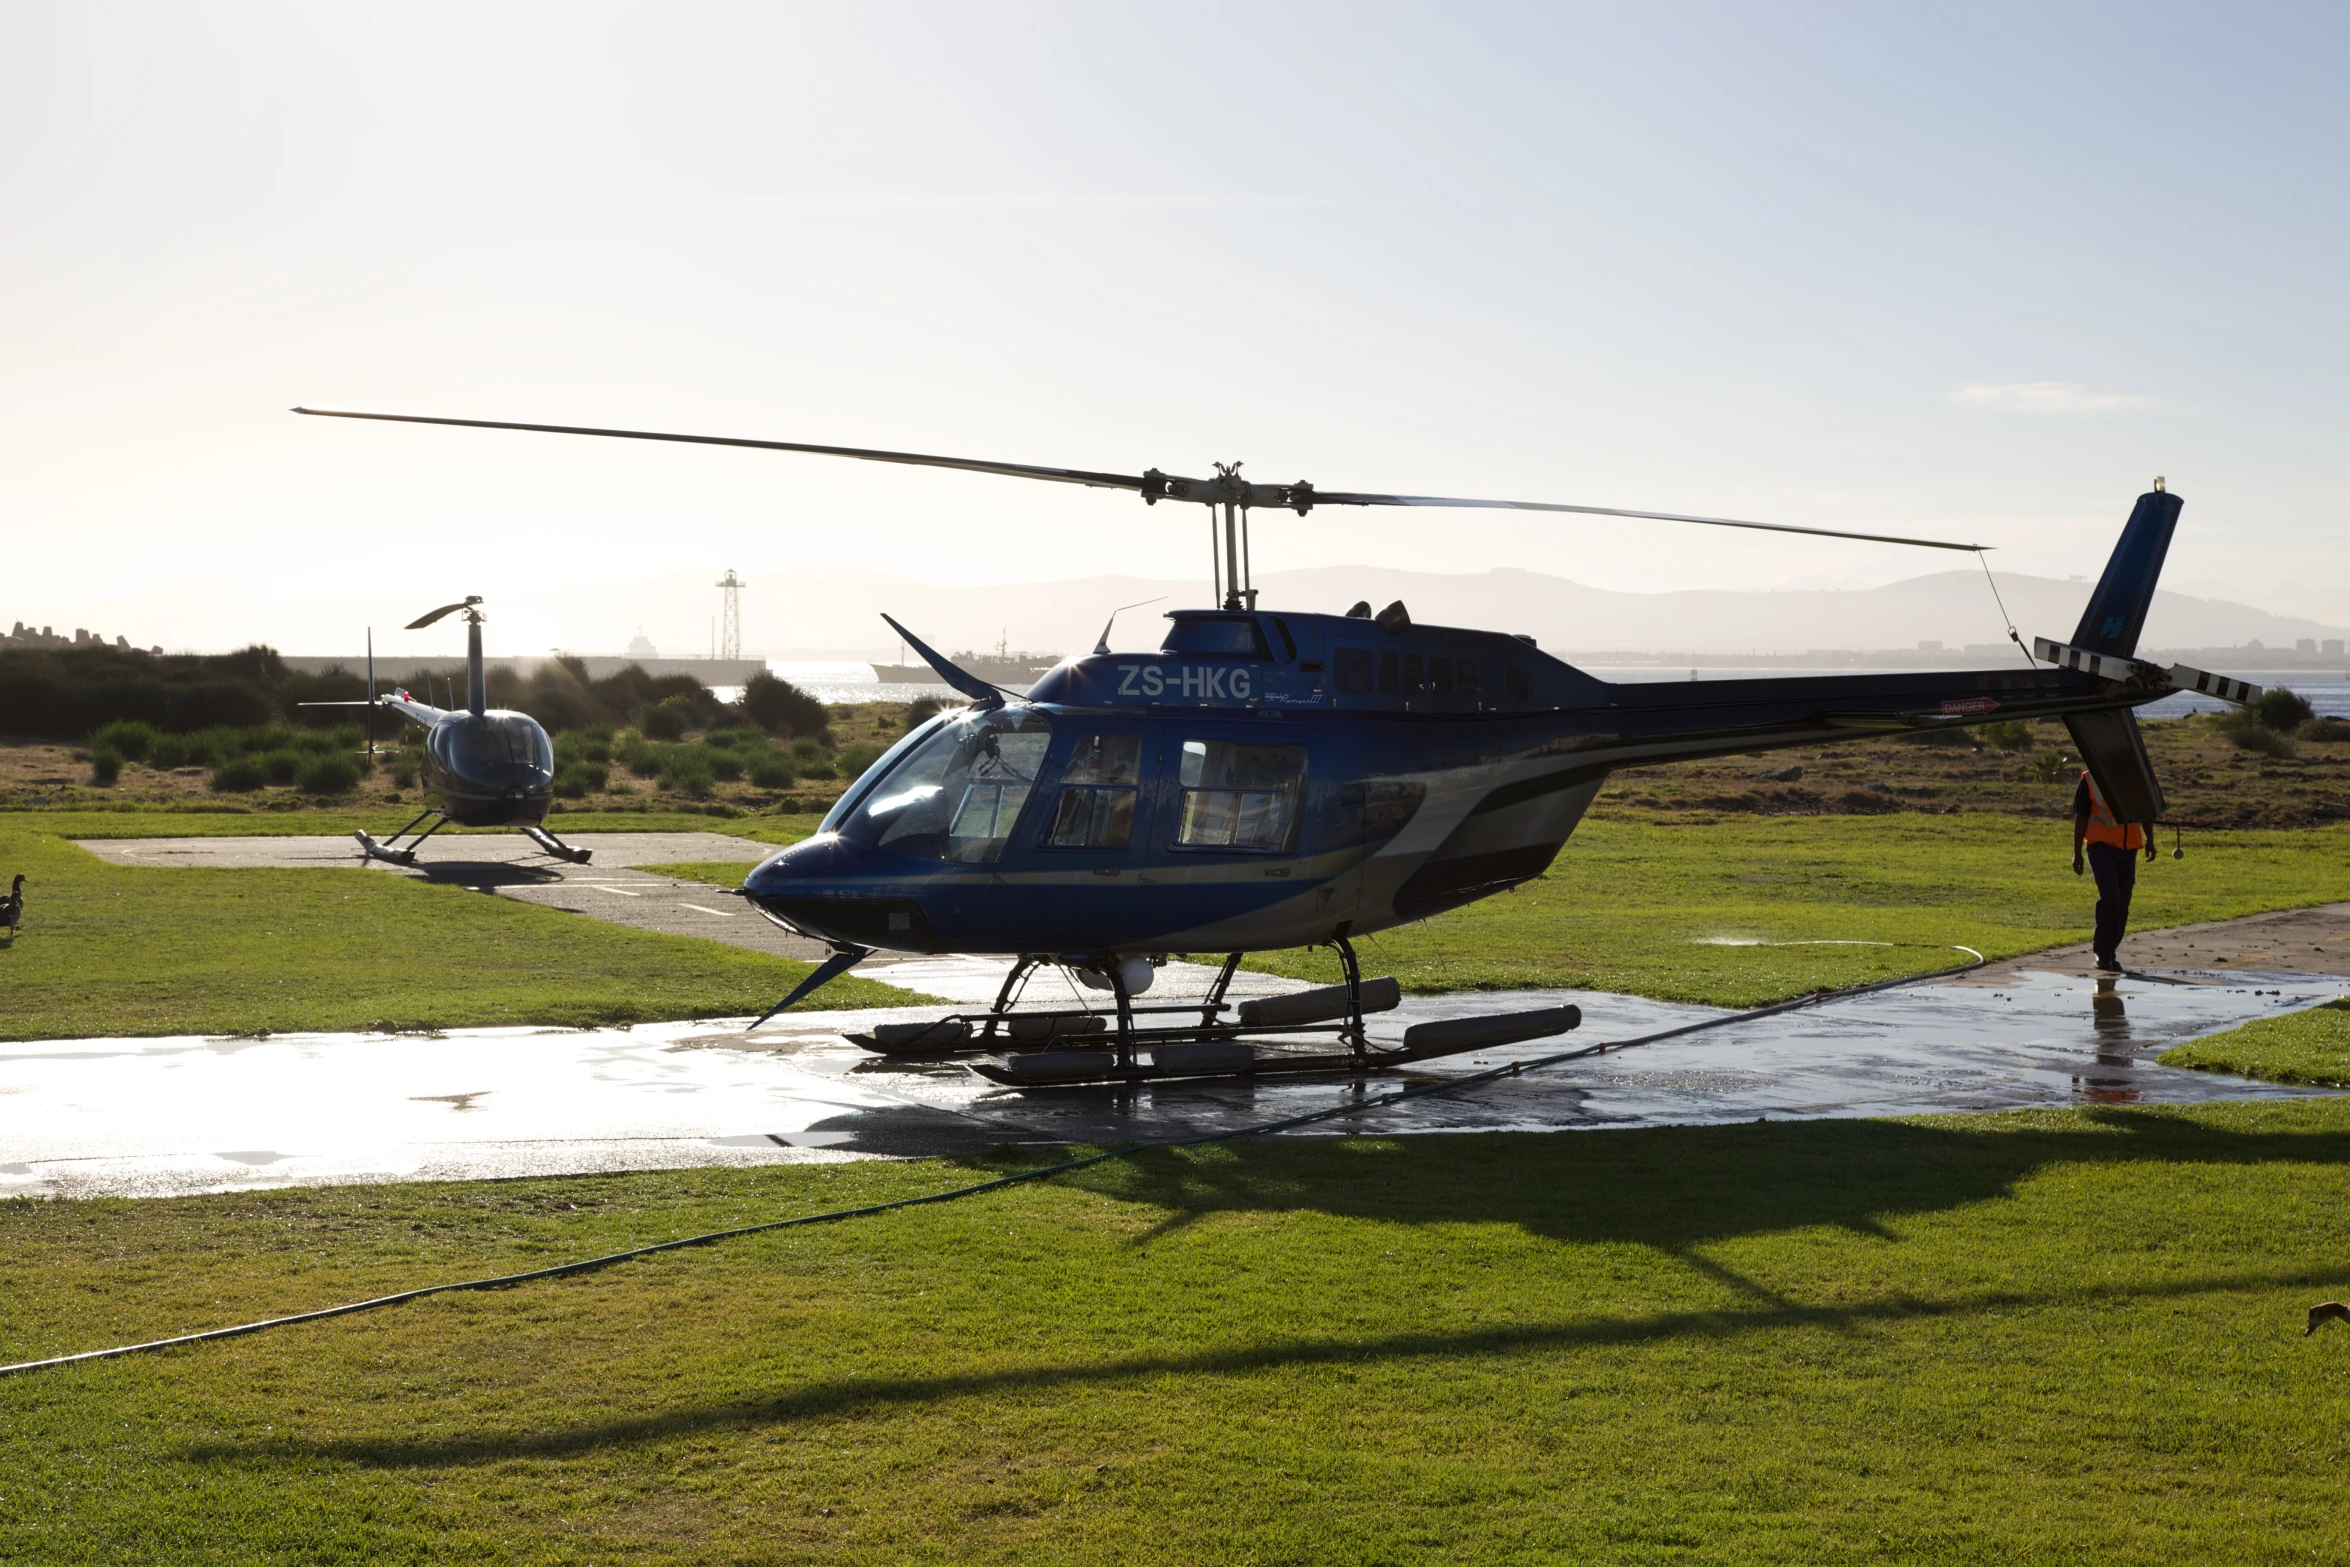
x: 1448, y: 1085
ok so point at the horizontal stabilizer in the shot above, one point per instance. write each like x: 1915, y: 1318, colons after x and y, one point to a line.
x: 2221, y: 686
x: 2115, y: 754
x: 2107, y: 666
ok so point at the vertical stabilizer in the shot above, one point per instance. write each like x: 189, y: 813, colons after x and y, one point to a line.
x: 477, y: 686
x: 2115, y: 754
x: 2117, y: 610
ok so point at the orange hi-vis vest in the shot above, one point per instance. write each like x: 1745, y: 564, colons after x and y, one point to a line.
x: 2103, y: 828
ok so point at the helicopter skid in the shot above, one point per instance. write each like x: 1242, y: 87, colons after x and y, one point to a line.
x: 375, y: 850
x: 1201, y: 1054
x: 556, y: 846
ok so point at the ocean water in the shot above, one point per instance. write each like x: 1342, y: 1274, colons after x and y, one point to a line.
x: 838, y: 681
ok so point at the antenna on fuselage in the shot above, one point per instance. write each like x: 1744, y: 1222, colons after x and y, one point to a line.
x: 1102, y: 644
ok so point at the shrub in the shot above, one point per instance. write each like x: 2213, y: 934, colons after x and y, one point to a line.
x: 2009, y: 734
x: 239, y: 776
x: 921, y: 710
x: 2282, y: 710
x: 666, y: 720
x: 105, y: 764
x: 724, y: 765
x: 772, y: 772
x: 687, y: 772
x: 2048, y: 766
x: 282, y: 767
x: 404, y: 770
x: 2260, y: 739
x: 331, y: 774
x: 816, y: 769
x: 129, y: 738
x: 857, y: 759
x: 779, y: 707
x: 577, y: 780
x: 2326, y: 731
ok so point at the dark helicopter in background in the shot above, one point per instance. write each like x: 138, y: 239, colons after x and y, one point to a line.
x: 483, y: 766
x: 1270, y: 778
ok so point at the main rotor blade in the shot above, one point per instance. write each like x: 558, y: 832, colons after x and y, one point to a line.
x: 423, y: 621
x: 1107, y: 481
x: 1229, y: 488
x: 1327, y: 498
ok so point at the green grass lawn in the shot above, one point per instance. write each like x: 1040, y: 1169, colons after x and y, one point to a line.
x: 1736, y: 912
x: 232, y: 821
x: 1672, y: 909
x: 2311, y: 1046
x: 2055, y: 1336
x: 123, y: 950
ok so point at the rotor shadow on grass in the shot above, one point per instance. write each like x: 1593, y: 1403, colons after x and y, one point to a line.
x: 868, y: 1395
x: 1674, y: 1188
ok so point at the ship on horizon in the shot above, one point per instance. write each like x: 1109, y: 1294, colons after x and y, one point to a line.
x: 1018, y: 671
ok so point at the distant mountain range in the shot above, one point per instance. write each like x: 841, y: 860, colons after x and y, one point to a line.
x: 837, y: 616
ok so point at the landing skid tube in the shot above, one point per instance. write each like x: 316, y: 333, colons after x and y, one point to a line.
x: 556, y: 846
x: 390, y: 850
x: 1264, y: 1040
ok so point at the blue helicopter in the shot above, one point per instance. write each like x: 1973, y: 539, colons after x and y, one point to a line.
x: 1272, y: 778
x: 483, y: 766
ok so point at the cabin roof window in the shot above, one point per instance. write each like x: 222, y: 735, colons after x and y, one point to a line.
x: 1215, y: 636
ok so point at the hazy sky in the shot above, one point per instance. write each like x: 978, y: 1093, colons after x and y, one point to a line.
x: 1981, y: 271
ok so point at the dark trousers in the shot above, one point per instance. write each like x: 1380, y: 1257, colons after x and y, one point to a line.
x: 2116, y: 871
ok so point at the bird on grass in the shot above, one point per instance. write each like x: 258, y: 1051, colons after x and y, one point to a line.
x: 2323, y: 1312
x: 12, y: 907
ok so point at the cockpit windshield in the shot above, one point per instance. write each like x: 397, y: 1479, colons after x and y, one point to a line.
x: 957, y: 795
x: 501, y: 751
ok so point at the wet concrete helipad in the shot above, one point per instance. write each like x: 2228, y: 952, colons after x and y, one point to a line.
x: 154, y: 1116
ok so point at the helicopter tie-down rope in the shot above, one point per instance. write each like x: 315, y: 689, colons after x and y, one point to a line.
x: 1448, y: 1085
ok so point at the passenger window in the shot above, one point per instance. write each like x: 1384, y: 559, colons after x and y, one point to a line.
x: 1468, y: 677
x: 1240, y: 796
x: 1096, y: 807
x: 1354, y: 671
x: 1105, y: 759
x: 1440, y: 676
x: 1387, y: 685
x: 1287, y: 640
x: 1415, y: 674
x: 1514, y: 679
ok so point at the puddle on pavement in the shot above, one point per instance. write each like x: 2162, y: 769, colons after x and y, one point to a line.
x: 138, y: 1117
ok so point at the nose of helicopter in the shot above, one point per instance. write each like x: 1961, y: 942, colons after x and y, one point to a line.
x: 789, y: 871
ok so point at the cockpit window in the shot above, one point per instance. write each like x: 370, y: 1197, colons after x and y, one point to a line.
x: 495, y: 750
x: 957, y: 795
x: 1216, y: 636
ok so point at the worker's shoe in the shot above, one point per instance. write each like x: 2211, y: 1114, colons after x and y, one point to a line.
x: 2108, y: 964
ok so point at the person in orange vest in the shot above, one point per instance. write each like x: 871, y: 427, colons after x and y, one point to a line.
x: 2110, y: 846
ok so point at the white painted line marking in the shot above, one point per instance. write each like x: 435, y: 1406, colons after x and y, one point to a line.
x: 724, y: 914
x: 605, y: 886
